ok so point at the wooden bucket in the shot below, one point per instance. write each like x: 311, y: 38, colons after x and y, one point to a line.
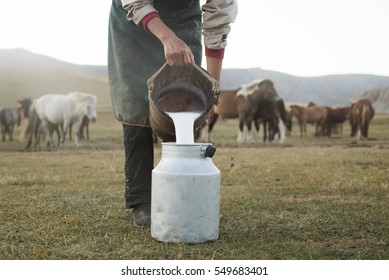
x: 180, y: 89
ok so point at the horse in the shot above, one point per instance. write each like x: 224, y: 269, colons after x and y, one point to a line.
x: 59, y: 109
x: 249, y: 99
x: 8, y: 119
x: 228, y: 108
x: 269, y: 124
x: 313, y: 114
x: 336, y: 117
x: 361, y: 113
x: 25, y: 106
x: 267, y: 115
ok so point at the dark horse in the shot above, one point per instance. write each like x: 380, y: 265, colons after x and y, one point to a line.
x: 265, y: 115
x: 25, y: 106
x: 335, y: 118
x: 361, y: 113
x: 8, y: 119
x: 254, y: 102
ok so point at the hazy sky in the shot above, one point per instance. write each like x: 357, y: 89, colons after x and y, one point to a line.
x: 298, y: 37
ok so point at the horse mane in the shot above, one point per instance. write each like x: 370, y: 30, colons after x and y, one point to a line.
x: 82, y: 96
x: 250, y: 88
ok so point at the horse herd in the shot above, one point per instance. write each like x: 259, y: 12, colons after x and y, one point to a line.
x: 257, y: 102
x: 48, y: 114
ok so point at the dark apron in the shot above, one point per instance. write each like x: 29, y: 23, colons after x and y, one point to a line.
x: 134, y: 54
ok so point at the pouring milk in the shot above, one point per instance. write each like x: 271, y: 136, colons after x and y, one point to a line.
x: 184, y: 123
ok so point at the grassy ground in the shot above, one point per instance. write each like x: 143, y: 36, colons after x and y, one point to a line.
x: 305, y: 199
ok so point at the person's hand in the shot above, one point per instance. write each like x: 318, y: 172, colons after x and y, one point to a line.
x: 177, y: 53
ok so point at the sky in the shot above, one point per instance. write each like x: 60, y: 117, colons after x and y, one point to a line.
x: 300, y: 37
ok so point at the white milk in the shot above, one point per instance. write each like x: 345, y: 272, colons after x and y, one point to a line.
x: 184, y: 123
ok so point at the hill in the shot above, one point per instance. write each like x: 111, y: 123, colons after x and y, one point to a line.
x: 332, y: 90
x: 380, y: 99
x: 25, y: 74
x: 20, y: 59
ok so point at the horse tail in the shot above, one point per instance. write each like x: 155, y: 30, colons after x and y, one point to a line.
x: 282, y: 110
x: 365, y: 118
x: 31, y: 125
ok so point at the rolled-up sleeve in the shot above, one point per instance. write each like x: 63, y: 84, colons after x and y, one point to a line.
x: 138, y: 9
x: 217, y: 17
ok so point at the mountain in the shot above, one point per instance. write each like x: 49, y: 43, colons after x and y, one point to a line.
x: 332, y: 90
x: 27, y: 75
x: 379, y: 98
x: 24, y: 74
x: 20, y: 59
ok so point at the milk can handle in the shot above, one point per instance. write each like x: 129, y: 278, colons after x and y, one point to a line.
x: 208, y: 151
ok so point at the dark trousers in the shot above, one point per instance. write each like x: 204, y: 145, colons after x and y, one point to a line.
x: 139, y: 162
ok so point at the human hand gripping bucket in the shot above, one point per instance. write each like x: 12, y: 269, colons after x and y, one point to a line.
x: 180, y: 89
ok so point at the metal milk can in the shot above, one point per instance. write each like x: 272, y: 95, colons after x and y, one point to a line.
x: 185, y: 197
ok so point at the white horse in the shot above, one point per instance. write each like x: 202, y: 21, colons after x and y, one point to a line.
x: 59, y: 109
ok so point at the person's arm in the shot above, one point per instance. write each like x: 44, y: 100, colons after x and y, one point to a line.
x: 217, y: 16
x: 143, y: 13
x: 214, y: 67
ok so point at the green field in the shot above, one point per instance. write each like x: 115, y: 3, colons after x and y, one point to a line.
x: 314, y: 198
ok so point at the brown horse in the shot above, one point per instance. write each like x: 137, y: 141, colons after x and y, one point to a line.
x: 335, y: 118
x: 226, y: 109
x: 268, y: 115
x: 249, y: 99
x: 312, y: 114
x: 244, y: 103
x: 361, y: 113
x: 25, y: 106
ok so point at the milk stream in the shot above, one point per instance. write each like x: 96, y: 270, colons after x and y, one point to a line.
x: 184, y: 123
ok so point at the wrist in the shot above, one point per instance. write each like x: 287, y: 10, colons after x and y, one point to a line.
x: 215, y: 53
x: 147, y: 18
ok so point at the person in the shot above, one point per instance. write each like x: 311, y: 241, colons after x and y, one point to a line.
x: 143, y: 36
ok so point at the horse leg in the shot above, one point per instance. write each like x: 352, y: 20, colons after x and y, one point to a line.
x: 359, y: 136
x: 240, y: 138
x: 82, y: 137
x: 281, y: 128
x: 3, y: 132
x: 45, y: 125
x: 87, y: 130
x: 304, y: 130
x: 211, y: 124
x: 78, y: 132
x: 272, y: 130
x: 11, y: 132
x: 365, y: 122
x: 258, y: 130
x: 265, y: 130
x: 58, y: 130
x: 70, y: 131
x: 52, y: 128
x: 301, y: 129
x: 365, y: 128
x: 249, y: 135
x: 39, y: 130
x: 66, y: 125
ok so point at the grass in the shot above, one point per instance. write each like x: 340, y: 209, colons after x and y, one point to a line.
x: 305, y: 199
